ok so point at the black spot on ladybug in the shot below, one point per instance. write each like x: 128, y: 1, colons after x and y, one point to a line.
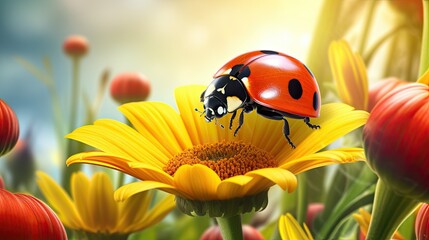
x: 236, y: 70
x: 309, y: 71
x: 295, y: 89
x: 315, y: 101
x: 245, y: 72
x: 269, y: 52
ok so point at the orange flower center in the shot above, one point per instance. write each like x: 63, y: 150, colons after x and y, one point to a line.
x: 227, y: 159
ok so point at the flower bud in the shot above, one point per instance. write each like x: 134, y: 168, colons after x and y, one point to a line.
x: 75, y: 46
x: 9, y: 128
x: 26, y: 217
x: 396, y: 140
x: 249, y: 233
x: 313, y: 210
x: 129, y: 87
x: 422, y: 222
x: 381, y: 88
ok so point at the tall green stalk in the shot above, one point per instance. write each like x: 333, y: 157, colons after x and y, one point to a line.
x: 230, y: 227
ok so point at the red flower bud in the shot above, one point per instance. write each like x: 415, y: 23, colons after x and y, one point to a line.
x: 422, y: 222
x: 75, y: 46
x: 9, y: 128
x: 313, y: 210
x: 25, y: 217
x: 249, y: 233
x: 396, y: 140
x: 381, y: 88
x: 129, y: 87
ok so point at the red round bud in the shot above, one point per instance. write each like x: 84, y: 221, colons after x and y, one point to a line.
x: 9, y: 128
x: 249, y: 233
x: 129, y: 87
x: 396, y: 140
x: 313, y: 210
x: 422, y: 222
x: 75, y: 46
x: 26, y: 217
x: 381, y: 88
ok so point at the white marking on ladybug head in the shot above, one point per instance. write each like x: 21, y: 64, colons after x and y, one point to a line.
x: 222, y: 89
x: 233, y: 103
x: 232, y: 78
x: 221, y: 110
x: 210, y: 89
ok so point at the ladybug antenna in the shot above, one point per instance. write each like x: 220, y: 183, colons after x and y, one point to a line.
x: 201, y: 112
x: 216, y: 123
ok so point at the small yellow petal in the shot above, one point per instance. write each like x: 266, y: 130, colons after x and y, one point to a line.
x: 104, y: 209
x: 156, y: 214
x: 149, y: 172
x: 160, y: 124
x: 80, y: 192
x: 197, y: 181
x: 290, y: 230
x: 134, y: 209
x: 320, y: 159
x: 59, y: 200
x: 424, y: 78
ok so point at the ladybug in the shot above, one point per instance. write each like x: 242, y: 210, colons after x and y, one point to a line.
x: 274, y: 84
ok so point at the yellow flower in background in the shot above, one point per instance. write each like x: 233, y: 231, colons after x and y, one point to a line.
x: 290, y: 229
x: 92, y: 211
x: 204, y: 163
x: 350, y: 74
x: 363, y: 218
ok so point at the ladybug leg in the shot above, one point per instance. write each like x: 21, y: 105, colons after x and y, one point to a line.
x: 240, y: 122
x: 307, y: 121
x: 232, y: 119
x: 286, y: 132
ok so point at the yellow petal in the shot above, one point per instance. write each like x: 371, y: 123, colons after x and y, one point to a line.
x: 149, y: 172
x: 80, y: 192
x: 424, y: 78
x: 160, y: 124
x: 285, y: 179
x: 134, y: 209
x: 336, y: 120
x: 156, y: 214
x: 188, y: 99
x: 59, y: 200
x: 233, y: 187
x: 290, y: 230
x: 198, y: 181
x: 119, y: 139
x: 349, y: 73
x: 338, y: 156
x: 131, y: 189
x: 104, y: 209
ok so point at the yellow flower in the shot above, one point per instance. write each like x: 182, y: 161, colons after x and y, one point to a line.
x: 350, y: 74
x: 93, y: 211
x: 363, y: 218
x: 289, y: 228
x: 201, y: 162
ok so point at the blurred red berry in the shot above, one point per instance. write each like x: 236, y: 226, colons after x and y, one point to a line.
x: 381, y: 88
x: 249, y: 233
x: 314, y: 209
x: 75, y: 46
x: 129, y: 87
x: 9, y: 128
x: 422, y: 222
x: 396, y: 140
x: 25, y: 217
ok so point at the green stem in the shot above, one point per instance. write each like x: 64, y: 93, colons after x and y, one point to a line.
x: 230, y: 227
x: 389, y: 211
x: 424, y: 57
x: 302, y: 201
x: 367, y: 27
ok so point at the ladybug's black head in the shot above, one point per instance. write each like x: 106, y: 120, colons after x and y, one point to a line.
x: 214, y: 108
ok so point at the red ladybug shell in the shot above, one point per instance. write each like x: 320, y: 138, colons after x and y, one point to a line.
x: 278, y: 81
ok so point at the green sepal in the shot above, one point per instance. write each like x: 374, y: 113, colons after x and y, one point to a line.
x: 223, y: 208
